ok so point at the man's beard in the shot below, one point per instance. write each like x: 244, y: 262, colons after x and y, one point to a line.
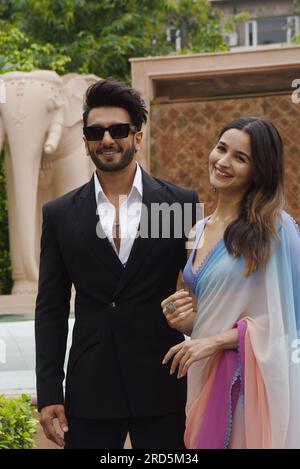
x: 127, y: 157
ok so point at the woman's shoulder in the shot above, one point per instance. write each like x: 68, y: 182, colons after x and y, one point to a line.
x: 288, y: 223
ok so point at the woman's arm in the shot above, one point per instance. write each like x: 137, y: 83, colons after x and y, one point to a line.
x: 227, y: 340
x: 183, y: 317
x: 185, y: 326
x: 190, y: 351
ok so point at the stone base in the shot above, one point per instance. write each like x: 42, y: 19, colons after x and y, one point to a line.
x: 24, y: 287
x: 21, y: 304
x: 17, y: 304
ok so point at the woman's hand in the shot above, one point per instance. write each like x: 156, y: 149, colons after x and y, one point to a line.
x: 191, y: 351
x: 188, y: 352
x: 182, y: 318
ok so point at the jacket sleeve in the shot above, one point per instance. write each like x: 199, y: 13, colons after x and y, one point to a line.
x: 51, y: 318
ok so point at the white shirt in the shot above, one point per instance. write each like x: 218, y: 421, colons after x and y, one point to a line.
x: 129, y: 214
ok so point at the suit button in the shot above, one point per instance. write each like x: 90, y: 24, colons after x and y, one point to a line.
x: 113, y: 304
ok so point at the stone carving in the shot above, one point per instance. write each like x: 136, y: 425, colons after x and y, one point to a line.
x: 41, y: 131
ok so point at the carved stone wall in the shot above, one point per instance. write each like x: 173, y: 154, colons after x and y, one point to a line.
x: 183, y: 134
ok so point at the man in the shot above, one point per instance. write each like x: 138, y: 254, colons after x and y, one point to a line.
x: 115, y: 382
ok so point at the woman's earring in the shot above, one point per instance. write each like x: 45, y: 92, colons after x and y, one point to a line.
x: 214, y: 189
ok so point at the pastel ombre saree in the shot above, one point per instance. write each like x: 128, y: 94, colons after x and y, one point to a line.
x: 249, y: 397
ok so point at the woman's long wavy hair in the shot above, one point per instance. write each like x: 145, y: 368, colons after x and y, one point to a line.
x: 250, y: 234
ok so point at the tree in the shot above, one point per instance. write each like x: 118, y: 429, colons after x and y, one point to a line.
x: 18, y: 52
x: 297, y: 6
x: 200, y: 25
x: 5, y: 263
x: 99, y: 36
x: 296, y: 39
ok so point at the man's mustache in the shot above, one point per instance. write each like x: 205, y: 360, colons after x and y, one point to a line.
x: 101, y: 150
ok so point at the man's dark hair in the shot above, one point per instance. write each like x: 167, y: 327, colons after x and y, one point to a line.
x: 115, y: 93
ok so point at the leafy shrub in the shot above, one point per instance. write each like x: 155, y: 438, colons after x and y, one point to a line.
x: 17, y: 425
x: 5, y: 263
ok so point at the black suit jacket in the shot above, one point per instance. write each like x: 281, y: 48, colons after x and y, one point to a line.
x: 120, y: 334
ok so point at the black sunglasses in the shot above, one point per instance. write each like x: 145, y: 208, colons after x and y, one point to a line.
x: 96, y: 132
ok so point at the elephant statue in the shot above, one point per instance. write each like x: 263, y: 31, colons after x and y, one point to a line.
x: 41, y: 131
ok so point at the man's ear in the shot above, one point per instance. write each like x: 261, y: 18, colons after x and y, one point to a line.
x: 138, y: 139
x: 86, y: 145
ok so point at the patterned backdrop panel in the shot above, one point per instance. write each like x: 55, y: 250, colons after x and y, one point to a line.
x: 183, y: 134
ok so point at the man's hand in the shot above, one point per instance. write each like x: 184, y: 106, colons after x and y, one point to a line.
x: 48, y: 414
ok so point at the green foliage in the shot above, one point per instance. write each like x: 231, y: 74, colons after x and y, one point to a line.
x: 202, y: 27
x: 5, y: 264
x: 19, y: 53
x: 17, y: 425
x: 100, y: 36
x: 296, y: 39
x: 296, y: 6
x: 296, y: 3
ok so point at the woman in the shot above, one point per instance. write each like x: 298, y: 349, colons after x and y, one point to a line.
x: 244, y: 270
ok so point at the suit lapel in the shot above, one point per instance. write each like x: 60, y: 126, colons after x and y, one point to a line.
x: 152, y: 193
x: 92, y: 231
